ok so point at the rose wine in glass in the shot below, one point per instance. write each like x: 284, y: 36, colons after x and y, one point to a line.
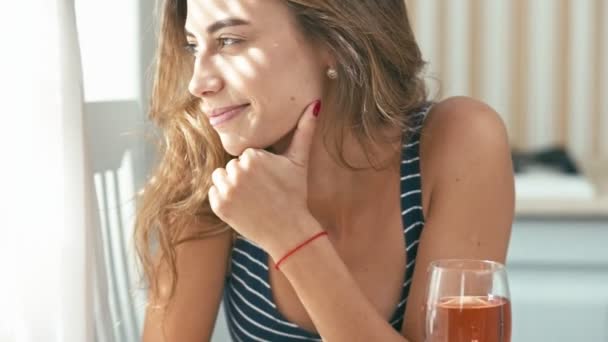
x: 467, y: 301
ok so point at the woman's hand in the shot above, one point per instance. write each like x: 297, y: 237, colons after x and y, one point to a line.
x: 263, y: 196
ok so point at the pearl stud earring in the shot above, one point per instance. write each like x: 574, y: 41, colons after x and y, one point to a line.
x: 332, y: 73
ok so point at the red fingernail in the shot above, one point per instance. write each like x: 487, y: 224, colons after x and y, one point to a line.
x: 317, y: 109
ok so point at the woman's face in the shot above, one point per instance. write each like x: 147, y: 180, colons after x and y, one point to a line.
x: 250, y: 54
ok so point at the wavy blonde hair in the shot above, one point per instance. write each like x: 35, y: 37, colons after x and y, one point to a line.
x: 380, y: 83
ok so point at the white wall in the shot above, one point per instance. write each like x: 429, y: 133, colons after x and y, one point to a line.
x: 532, y: 91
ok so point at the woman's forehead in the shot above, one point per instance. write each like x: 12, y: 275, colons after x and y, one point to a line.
x: 206, y: 12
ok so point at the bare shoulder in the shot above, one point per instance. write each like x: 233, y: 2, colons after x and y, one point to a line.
x: 463, y: 121
x: 459, y: 133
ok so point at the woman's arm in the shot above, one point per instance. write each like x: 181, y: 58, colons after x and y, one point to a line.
x: 470, y: 217
x: 201, y: 267
x: 466, y: 158
x: 331, y: 296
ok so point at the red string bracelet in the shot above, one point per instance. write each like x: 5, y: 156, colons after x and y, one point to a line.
x: 297, y: 248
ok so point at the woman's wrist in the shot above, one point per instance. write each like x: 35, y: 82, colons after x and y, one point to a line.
x: 305, y: 228
x: 298, y: 247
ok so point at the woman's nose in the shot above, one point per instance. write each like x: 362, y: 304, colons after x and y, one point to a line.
x: 204, y: 83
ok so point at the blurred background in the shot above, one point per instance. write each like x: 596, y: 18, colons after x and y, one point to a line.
x: 78, y: 147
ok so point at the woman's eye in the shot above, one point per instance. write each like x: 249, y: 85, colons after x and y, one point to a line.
x: 226, y: 41
x: 190, y: 48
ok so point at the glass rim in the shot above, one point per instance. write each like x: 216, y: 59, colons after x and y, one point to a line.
x: 443, y: 264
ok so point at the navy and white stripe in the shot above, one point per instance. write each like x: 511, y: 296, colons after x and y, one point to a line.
x: 250, y: 310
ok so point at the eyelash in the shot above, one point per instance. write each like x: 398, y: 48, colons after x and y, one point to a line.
x: 191, y: 48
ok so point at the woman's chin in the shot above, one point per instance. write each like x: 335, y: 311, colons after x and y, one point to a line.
x: 235, y: 145
x: 236, y: 148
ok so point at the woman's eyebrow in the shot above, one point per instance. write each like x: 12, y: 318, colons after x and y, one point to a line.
x: 220, y: 24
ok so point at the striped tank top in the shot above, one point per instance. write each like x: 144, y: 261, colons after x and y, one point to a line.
x: 252, y: 315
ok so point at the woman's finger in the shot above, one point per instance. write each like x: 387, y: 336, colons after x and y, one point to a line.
x: 213, y: 197
x: 232, y: 168
x: 219, y: 177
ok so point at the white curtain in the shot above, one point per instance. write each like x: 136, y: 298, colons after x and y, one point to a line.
x: 48, y: 233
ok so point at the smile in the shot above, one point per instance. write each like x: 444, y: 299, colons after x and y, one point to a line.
x: 227, y: 115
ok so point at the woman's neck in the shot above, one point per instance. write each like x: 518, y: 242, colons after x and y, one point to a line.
x: 346, y: 201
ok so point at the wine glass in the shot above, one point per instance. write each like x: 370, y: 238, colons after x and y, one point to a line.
x: 467, y: 301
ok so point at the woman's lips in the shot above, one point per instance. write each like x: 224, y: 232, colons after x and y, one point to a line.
x: 227, y: 115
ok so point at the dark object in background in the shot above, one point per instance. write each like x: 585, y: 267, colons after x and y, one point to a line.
x: 555, y: 158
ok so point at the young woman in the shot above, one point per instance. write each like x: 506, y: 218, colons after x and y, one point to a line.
x: 305, y: 177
